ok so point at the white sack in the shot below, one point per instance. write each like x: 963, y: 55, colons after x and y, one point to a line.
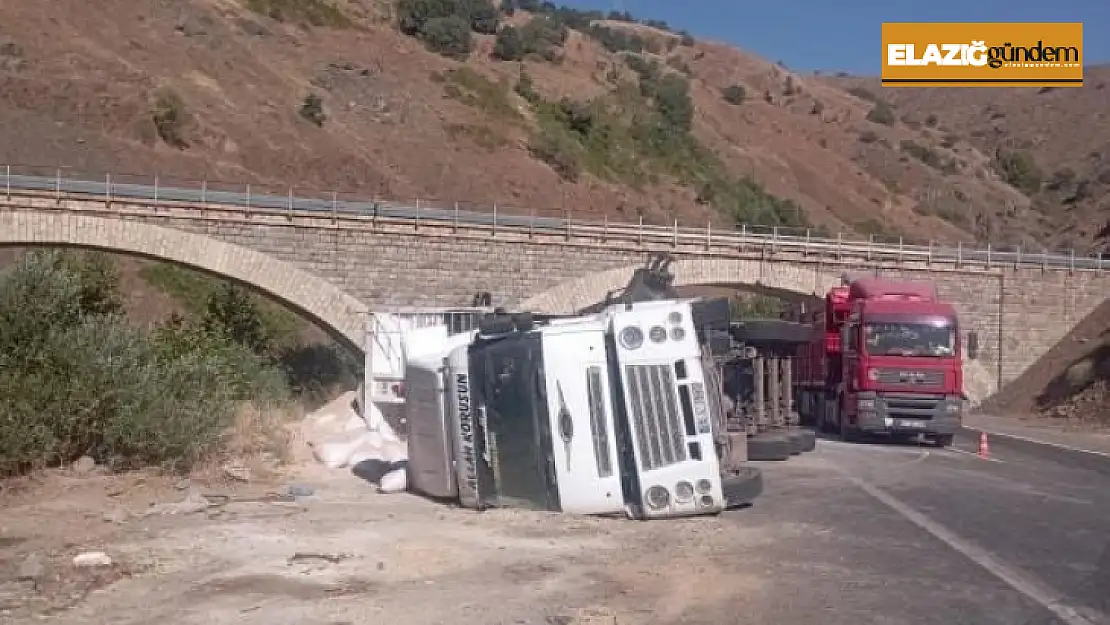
x: 395, y: 481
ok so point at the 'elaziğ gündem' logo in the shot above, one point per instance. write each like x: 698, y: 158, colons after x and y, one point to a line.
x: 977, y: 54
x: 982, y: 54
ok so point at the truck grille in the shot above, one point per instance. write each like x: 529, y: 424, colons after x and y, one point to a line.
x: 911, y: 406
x: 660, y: 433
x: 910, y: 377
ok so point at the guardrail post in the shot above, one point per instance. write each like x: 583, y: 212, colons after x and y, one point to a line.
x: 566, y: 222
x: 959, y: 252
x: 531, y: 222
x: 708, y: 234
x: 901, y: 245
x: 1071, y: 261
x: 774, y: 238
x: 456, y: 224
x: 289, y: 204
x: 1044, y: 259
x: 605, y: 228
x: 640, y: 232
x: 839, y: 245
x: 988, y: 255
x: 1098, y: 261
x: 108, y: 190
x: 204, y: 197
x: 809, y: 236
x: 58, y: 185
x: 1017, y: 257
x: 493, y: 230
x: 676, y: 234
x: 155, y: 192
x: 334, y: 208
x: 870, y: 244
x: 248, y: 200
x: 929, y: 255
x: 8, y: 181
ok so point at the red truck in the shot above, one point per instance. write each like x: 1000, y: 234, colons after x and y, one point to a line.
x: 884, y: 359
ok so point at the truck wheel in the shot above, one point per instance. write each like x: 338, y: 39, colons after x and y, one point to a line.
x: 769, y: 446
x: 803, y: 440
x: 742, y: 487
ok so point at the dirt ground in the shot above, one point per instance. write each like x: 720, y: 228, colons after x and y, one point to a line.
x: 344, y: 554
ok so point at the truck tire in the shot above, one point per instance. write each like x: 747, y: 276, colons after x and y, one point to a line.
x: 742, y: 487
x: 773, y: 331
x: 769, y: 446
x: 803, y: 440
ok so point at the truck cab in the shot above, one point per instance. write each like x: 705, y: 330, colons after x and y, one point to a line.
x: 900, y: 362
x: 605, y: 413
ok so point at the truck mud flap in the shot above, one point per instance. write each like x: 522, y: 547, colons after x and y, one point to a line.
x: 761, y: 331
x: 769, y: 446
x: 802, y: 440
x: 743, y: 487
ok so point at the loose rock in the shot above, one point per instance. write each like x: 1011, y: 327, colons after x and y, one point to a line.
x: 91, y: 559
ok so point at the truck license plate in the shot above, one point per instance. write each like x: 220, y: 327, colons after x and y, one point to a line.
x: 914, y: 424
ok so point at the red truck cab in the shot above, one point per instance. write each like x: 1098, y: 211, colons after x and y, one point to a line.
x: 885, y: 359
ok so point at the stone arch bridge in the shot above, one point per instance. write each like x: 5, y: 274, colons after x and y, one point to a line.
x: 334, y: 261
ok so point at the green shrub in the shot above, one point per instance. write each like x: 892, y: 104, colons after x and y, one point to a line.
x: 312, y: 109
x: 448, y: 36
x: 1019, y: 170
x: 735, y: 94
x: 882, y: 113
x: 76, y: 379
x: 509, y: 45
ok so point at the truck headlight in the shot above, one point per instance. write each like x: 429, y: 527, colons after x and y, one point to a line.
x: 873, y: 374
x: 657, y: 334
x: 683, y: 492
x: 631, y: 337
x: 677, y: 333
x: 704, y: 486
x: 675, y: 318
x: 657, y: 497
x: 865, y: 404
x: 953, y: 407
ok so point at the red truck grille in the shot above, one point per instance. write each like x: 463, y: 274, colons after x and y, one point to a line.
x: 924, y: 378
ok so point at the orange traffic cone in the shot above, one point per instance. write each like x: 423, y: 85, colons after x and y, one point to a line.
x: 984, y: 446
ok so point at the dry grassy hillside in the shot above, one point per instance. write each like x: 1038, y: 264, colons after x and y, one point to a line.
x: 1053, y: 143
x: 213, y: 88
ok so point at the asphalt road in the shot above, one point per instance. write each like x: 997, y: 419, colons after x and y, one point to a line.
x: 906, y: 535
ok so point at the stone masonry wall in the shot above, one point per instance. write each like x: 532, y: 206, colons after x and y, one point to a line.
x: 1018, y: 313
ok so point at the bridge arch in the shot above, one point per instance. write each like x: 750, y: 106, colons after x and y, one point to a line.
x: 339, y: 314
x: 783, y: 280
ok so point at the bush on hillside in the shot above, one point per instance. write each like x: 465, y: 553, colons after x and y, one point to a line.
x: 1019, y: 170
x: 509, y: 45
x: 448, y: 36
x: 76, y: 379
x: 734, y: 94
x: 882, y: 113
x: 445, y: 25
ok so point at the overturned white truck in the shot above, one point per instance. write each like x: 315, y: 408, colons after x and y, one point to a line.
x: 614, y: 412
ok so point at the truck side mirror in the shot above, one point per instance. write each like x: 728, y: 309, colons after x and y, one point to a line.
x: 972, y: 345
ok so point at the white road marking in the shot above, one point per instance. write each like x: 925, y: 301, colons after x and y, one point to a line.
x: 1042, y: 442
x: 973, y: 453
x: 1030, y: 587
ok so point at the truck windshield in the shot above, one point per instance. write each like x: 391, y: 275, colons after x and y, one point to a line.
x: 935, y: 338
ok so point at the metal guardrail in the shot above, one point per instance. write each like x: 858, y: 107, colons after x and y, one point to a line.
x: 775, y: 238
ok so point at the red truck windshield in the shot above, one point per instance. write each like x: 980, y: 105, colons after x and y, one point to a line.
x: 934, y: 337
